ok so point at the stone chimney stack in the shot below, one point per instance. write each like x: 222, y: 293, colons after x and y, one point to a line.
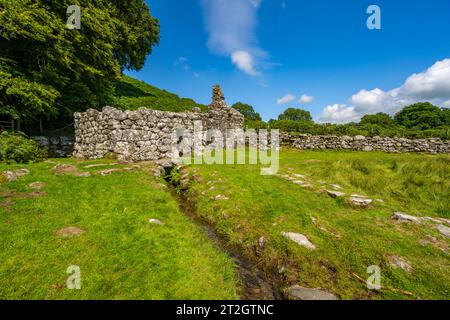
x: 218, y: 99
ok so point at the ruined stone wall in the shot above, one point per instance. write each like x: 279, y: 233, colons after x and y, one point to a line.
x: 57, y: 146
x: 361, y: 143
x: 145, y: 134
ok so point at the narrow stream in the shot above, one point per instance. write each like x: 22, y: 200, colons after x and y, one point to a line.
x: 254, y: 283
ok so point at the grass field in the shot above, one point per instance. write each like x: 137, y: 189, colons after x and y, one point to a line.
x: 123, y: 256
x: 348, y: 239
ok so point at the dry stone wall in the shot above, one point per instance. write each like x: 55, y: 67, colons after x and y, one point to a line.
x: 361, y: 143
x: 145, y: 134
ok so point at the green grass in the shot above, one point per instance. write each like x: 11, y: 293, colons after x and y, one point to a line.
x: 269, y: 205
x: 121, y: 255
x: 133, y: 94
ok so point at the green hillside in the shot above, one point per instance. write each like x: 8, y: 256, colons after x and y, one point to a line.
x: 133, y: 94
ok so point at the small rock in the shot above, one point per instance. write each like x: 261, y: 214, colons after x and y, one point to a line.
x: 336, y: 186
x: 83, y: 174
x: 301, y: 176
x: 99, y: 165
x: 335, y: 194
x: 360, y: 202
x: 156, y: 221
x: 300, y: 239
x: 221, y: 198
x: 445, y: 231
x: 107, y: 172
x: 14, y: 175
x: 37, y: 185
x: 69, y: 232
x: 21, y: 172
x: 9, y: 176
x: 262, y: 242
x: 399, y: 262
x: 300, y: 293
x: 62, y: 169
x: 403, y: 217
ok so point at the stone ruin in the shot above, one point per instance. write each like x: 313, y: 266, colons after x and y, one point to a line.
x: 146, y: 134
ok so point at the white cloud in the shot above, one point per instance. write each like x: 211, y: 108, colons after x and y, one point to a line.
x: 244, y: 62
x: 306, y: 99
x: 431, y: 85
x: 446, y: 104
x: 339, y: 113
x: 286, y: 99
x: 231, y: 27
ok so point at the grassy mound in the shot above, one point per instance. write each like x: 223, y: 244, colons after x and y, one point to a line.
x: 133, y: 94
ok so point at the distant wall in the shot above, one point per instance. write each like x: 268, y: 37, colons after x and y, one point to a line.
x: 145, y: 134
x: 361, y: 143
x: 57, y: 146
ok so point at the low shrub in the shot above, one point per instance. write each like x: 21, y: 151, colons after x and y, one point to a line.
x: 17, y: 147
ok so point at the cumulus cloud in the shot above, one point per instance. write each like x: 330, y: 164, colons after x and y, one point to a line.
x: 231, y: 27
x: 244, y: 61
x: 306, y: 99
x: 431, y: 85
x: 286, y: 99
x: 339, y: 113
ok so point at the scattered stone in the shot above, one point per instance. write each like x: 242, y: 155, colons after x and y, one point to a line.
x: 64, y: 169
x: 403, y: 217
x: 399, y: 262
x: 96, y: 165
x: 37, y: 185
x: 335, y: 194
x: 14, y: 175
x: 437, y: 220
x: 300, y: 293
x: 83, y: 174
x: 359, y: 201
x: 300, y: 239
x: 69, y: 232
x: 107, y: 172
x: 262, y: 242
x: 156, y: 221
x: 221, y: 198
x: 336, y: 186
x: 301, y: 176
x: 445, y: 231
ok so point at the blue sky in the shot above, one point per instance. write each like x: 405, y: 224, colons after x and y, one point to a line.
x: 317, y: 55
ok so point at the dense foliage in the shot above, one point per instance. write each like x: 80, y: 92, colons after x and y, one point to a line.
x: 295, y: 115
x: 420, y: 120
x: 247, y: 111
x: 17, y: 147
x: 48, y: 70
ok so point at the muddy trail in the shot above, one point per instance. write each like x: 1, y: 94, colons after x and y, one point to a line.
x: 255, y: 284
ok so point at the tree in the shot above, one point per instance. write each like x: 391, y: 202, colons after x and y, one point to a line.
x: 381, y: 119
x: 247, y: 111
x: 296, y: 115
x: 422, y: 115
x: 47, y: 70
